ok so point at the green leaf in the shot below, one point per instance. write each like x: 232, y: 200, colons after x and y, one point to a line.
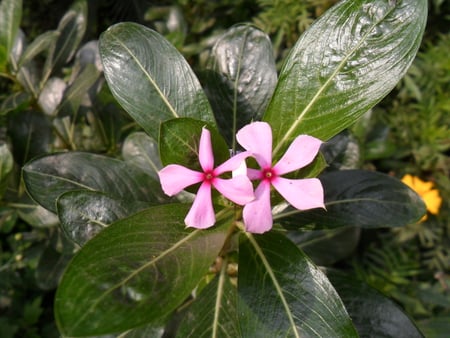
x: 10, y: 19
x: 150, y: 78
x: 359, y: 198
x: 142, y: 151
x: 328, y: 246
x: 374, y: 315
x: 436, y: 327
x: 135, y: 272
x: 48, y: 177
x: 240, y: 78
x: 179, y: 143
x: 344, y: 64
x: 40, y: 44
x: 50, y: 268
x: 84, y: 213
x: 285, y: 294
x: 6, y: 167
x: 214, y: 312
x: 71, y: 29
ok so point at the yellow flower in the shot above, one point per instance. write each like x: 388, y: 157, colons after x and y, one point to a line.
x: 427, y: 191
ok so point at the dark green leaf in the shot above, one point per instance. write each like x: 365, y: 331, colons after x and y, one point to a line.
x: 71, y: 29
x: 344, y: 64
x: 6, y: 167
x: 142, y: 151
x: 135, y: 272
x: 31, y: 134
x: 359, y: 198
x: 285, y: 294
x: 374, y: 315
x: 48, y: 177
x: 437, y: 327
x: 10, y: 19
x: 85, y: 213
x: 150, y: 78
x: 39, y: 45
x: 179, y: 143
x: 50, y: 268
x: 328, y: 246
x: 213, y: 313
x: 240, y: 78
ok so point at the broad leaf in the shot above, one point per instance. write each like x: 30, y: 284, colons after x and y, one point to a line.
x: 359, y: 198
x: 84, y: 213
x: 150, y: 78
x: 10, y: 18
x: 142, y: 151
x: 214, y: 312
x: 136, y: 271
x: 179, y: 143
x: 327, y: 246
x: 71, y: 29
x: 284, y: 293
x: 374, y: 315
x: 344, y: 64
x: 48, y: 177
x: 240, y: 78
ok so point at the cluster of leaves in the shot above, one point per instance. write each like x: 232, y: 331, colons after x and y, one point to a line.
x: 56, y: 99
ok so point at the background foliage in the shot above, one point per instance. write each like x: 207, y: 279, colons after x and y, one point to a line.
x: 408, y: 132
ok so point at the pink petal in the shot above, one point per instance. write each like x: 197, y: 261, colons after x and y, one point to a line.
x: 300, y: 153
x: 254, y: 174
x: 256, y: 137
x: 302, y: 194
x: 205, y: 152
x: 175, y: 178
x: 258, y: 213
x: 201, y: 215
x: 232, y: 163
x: 238, y: 189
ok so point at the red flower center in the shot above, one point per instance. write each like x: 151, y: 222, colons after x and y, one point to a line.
x: 268, y: 174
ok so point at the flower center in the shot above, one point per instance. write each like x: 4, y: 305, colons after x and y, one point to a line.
x: 208, y: 176
x: 268, y: 174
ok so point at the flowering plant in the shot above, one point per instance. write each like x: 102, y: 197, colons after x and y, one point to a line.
x: 140, y: 271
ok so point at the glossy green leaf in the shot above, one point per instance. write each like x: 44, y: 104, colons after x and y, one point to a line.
x: 10, y: 19
x: 150, y: 78
x: 285, y: 294
x: 142, y: 151
x: 71, y: 29
x: 136, y: 271
x: 85, y: 213
x: 359, y: 198
x: 34, y: 214
x: 179, y: 143
x: 48, y: 177
x: 240, y: 78
x: 373, y: 314
x: 214, y: 312
x: 328, y: 246
x: 344, y: 64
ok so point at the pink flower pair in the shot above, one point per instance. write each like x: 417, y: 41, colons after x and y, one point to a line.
x: 256, y: 139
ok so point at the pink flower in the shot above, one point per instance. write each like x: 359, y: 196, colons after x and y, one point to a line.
x: 300, y: 193
x: 174, y: 178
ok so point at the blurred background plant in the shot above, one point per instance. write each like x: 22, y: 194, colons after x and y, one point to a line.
x: 53, y: 98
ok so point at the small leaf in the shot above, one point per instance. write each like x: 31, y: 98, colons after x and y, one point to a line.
x: 10, y: 19
x: 359, y: 198
x: 142, y: 151
x: 240, y: 78
x: 40, y: 44
x: 48, y: 177
x: 71, y: 29
x: 150, y: 78
x: 6, y: 167
x: 179, y: 143
x: 84, y: 213
x: 50, y: 268
x: 214, y: 312
x: 344, y: 64
x: 374, y: 315
x: 135, y: 272
x: 286, y: 295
